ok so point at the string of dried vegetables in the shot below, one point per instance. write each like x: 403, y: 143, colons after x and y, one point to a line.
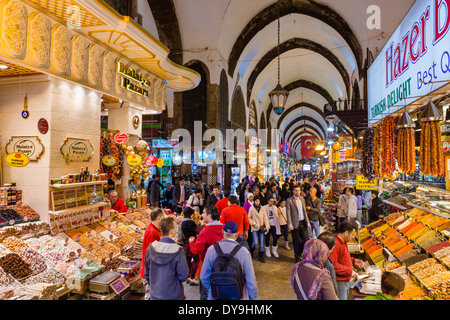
x: 406, y: 153
x: 377, y: 151
x: 109, y: 147
x: 388, y: 142
x: 430, y: 158
x: 367, y: 154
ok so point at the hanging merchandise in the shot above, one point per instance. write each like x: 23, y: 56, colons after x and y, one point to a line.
x: 377, y: 151
x: 430, y: 158
x: 388, y: 141
x: 406, y: 145
x: 367, y: 154
x: 109, y: 147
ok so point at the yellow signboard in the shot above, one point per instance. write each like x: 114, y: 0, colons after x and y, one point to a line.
x: 134, y: 160
x: 17, y: 159
x: 362, y: 183
x: 109, y: 160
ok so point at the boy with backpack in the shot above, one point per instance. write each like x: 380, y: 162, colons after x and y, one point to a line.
x: 227, y: 272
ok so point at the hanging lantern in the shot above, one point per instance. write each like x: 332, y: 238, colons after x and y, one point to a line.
x: 278, y: 96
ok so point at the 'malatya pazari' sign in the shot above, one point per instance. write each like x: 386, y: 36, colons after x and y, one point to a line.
x: 417, y: 54
x: 132, y: 80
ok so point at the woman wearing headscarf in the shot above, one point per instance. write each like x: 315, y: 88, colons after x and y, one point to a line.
x: 309, y: 278
x: 260, y: 226
x: 248, y: 204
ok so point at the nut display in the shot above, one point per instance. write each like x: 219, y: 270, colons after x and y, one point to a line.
x: 26, y: 211
x: 14, y: 244
x: 442, y: 253
x: 114, y: 263
x: 13, y: 264
x: 428, y: 272
x: 109, y: 247
x: 434, y: 280
x: 422, y: 264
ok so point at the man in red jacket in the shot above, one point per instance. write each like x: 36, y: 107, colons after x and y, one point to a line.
x: 152, y: 233
x: 238, y: 215
x: 342, y: 261
x: 210, y: 234
x: 223, y: 203
x: 117, y: 203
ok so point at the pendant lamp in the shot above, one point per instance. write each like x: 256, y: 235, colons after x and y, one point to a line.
x: 279, y: 95
x: 430, y: 113
x: 405, y: 121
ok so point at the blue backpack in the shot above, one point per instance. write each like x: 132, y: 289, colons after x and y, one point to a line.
x: 227, y: 275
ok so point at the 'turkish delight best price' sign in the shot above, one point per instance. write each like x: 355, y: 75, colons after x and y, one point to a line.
x: 417, y: 54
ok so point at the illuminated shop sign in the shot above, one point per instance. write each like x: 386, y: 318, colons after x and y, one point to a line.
x: 417, y: 54
x: 132, y: 80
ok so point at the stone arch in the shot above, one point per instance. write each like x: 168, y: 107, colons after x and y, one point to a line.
x: 303, y: 118
x: 292, y: 44
x: 166, y: 22
x: 194, y: 102
x: 295, y: 107
x: 223, y: 102
x: 238, y: 114
x: 282, y: 8
x: 252, y: 116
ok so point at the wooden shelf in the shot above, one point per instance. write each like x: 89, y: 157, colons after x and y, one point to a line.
x: 91, y: 206
x: 79, y: 184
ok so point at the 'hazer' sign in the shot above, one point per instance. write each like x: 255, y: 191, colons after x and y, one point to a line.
x: 417, y: 53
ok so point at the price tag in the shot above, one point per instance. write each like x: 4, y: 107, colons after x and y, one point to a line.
x: 111, y: 255
x: 72, y: 255
x: 109, y: 226
x: 88, y: 232
x: 99, y: 229
x: 77, y: 237
x: 103, y: 261
x: 102, y: 242
x: 119, y: 233
x: 11, y: 222
x: 66, y: 243
x: 90, y: 246
x: 122, y: 250
x: 128, y: 231
x: 25, y: 219
x: 111, y: 237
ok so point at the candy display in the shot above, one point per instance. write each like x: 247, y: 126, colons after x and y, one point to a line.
x: 377, y: 151
x: 34, y: 259
x: 10, y: 214
x: 26, y: 211
x: 49, y: 276
x: 367, y: 154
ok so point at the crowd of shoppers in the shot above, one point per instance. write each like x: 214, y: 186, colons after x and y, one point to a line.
x: 236, y: 226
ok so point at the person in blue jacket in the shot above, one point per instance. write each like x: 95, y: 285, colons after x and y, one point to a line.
x: 230, y: 233
x: 166, y: 267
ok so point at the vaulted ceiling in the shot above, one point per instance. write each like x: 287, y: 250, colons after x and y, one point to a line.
x: 323, y: 49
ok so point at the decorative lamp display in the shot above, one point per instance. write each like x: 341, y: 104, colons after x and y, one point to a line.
x: 278, y: 96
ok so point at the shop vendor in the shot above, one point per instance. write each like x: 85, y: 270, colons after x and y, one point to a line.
x: 117, y: 203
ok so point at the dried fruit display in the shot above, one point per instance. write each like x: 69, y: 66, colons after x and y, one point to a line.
x: 109, y: 147
x: 377, y: 151
x: 406, y: 150
x: 367, y: 154
x: 388, y: 142
x: 430, y: 158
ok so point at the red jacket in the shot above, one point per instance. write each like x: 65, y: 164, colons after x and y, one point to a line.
x: 209, y: 235
x: 222, y: 204
x: 342, y: 261
x: 236, y: 214
x: 152, y: 233
x: 120, y: 206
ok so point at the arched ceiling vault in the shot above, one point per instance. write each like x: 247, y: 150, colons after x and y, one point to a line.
x: 292, y: 44
x: 299, y: 123
x: 282, y: 8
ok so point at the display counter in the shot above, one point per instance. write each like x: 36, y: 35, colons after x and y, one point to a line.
x: 62, y: 265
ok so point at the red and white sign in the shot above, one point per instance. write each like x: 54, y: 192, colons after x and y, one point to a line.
x: 151, y: 161
x: 121, y: 138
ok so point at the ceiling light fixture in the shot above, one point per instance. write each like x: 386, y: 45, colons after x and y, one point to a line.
x: 278, y: 96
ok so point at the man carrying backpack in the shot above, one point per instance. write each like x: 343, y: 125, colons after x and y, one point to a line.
x: 227, y: 271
